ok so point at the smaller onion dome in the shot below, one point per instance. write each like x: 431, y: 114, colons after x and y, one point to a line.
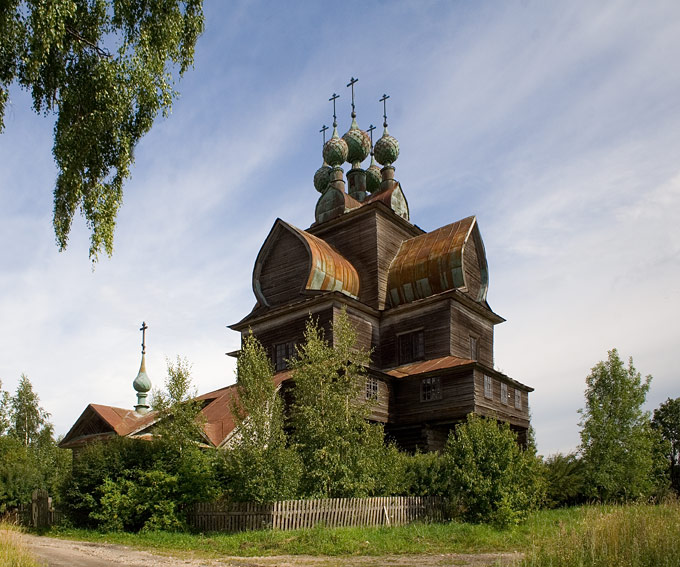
x: 386, y: 149
x: 142, y: 383
x: 322, y: 178
x: 335, y: 150
x: 373, y: 177
x: 358, y: 144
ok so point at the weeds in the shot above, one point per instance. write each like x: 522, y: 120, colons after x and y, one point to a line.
x: 13, y: 553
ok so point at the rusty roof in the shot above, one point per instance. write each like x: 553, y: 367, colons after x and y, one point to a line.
x: 430, y: 263
x: 424, y: 366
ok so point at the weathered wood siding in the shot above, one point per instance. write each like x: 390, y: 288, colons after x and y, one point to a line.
x: 285, y: 270
x: 432, y: 318
x: 471, y: 268
x: 457, y: 400
x: 493, y: 407
x: 464, y: 324
x: 292, y: 330
x: 369, y: 238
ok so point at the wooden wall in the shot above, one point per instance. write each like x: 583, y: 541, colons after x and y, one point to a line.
x: 369, y: 238
x: 433, y: 318
x: 494, y: 408
x: 464, y: 323
x: 285, y: 269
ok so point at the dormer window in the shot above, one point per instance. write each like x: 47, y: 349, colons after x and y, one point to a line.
x: 282, y: 353
x: 411, y: 346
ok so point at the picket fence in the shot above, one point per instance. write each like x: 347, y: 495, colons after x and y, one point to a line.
x: 331, y: 512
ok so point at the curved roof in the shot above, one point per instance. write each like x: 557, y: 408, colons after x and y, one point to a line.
x: 433, y: 263
x: 327, y: 269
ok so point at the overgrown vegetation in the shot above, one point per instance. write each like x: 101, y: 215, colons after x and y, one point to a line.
x: 13, y: 552
x: 636, y: 535
x: 29, y: 457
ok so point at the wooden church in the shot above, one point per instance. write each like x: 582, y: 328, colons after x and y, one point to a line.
x: 416, y: 299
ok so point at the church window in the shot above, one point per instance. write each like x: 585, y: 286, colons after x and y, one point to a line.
x: 518, y: 399
x: 430, y: 389
x: 411, y: 347
x: 488, y: 387
x: 504, y: 393
x: 371, y: 388
x: 283, y: 352
x: 474, y: 348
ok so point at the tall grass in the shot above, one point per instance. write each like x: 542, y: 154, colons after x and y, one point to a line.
x: 13, y: 553
x: 635, y: 535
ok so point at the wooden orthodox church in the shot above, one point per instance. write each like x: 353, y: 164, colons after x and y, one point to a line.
x: 416, y: 299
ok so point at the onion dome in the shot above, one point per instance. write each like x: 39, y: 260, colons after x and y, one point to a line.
x: 373, y: 177
x: 335, y: 150
x: 358, y: 144
x: 322, y: 178
x: 142, y: 383
x: 386, y: 149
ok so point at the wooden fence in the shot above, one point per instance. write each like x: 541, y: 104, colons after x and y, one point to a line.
x: 331, y: 512
x: 38, y: 514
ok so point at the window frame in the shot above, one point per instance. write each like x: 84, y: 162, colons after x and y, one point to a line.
x: 416, y: 349
x: 281, y: 353
x: 430, y: 389
x: 474, y: 347
x: 372, y: 390
x: 504, y: 393
x: 518, y: 399
x: 488, y: 387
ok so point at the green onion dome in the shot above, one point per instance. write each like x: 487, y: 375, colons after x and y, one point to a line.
x: 322, y: 178
x: 358, y: 144
x: 142, y: 383
x: 335, y: 150
x: 386, y: 149
x: 373, y: 177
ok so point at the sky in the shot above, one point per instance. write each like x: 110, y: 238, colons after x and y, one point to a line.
x: 556, y: 123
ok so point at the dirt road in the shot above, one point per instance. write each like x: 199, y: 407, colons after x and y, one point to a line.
x: 64, y: 553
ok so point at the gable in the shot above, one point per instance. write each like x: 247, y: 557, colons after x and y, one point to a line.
x: 293, y: 261
x: 451, y: 257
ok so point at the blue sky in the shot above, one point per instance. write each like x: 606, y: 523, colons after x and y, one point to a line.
x: 557, y: 124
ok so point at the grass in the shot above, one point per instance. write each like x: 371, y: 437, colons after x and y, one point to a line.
x: 12, y: 551
x: 589, y: 536
x: 625, y: 536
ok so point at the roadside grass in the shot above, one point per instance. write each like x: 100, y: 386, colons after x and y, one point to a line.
x: 419, y: 538
x: 629, y: 536
x: 13, y: 553
x: 590, y: 536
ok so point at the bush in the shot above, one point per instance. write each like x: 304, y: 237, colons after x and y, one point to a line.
x: 565, y: 480
x: 492, y: 480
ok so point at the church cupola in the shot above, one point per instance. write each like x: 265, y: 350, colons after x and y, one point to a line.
x: 142, y: 383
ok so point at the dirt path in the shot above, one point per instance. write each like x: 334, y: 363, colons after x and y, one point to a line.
x: 64, y: 553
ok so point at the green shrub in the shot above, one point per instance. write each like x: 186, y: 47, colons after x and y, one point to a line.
x: 492, y: 479
x: 565, y: 482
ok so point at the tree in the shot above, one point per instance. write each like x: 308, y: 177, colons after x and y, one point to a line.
x: 618, y: 446
x: 667, y: 421
x: 491, y: 478
x: 564, y: 480
x: 4, y: 410
x: 28, y: 421
x: 259, y: 466
x: 340, y: 450
x: 105, y: 68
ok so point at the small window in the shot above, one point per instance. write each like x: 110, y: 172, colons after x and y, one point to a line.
x: 518, y: 399
x: 488, y: 387
x: 282, y: 353
x: 504, y: 393
x: 430, y: 389
x: 474, y: 350
x: 371, y: 388
x: 411, y: 347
